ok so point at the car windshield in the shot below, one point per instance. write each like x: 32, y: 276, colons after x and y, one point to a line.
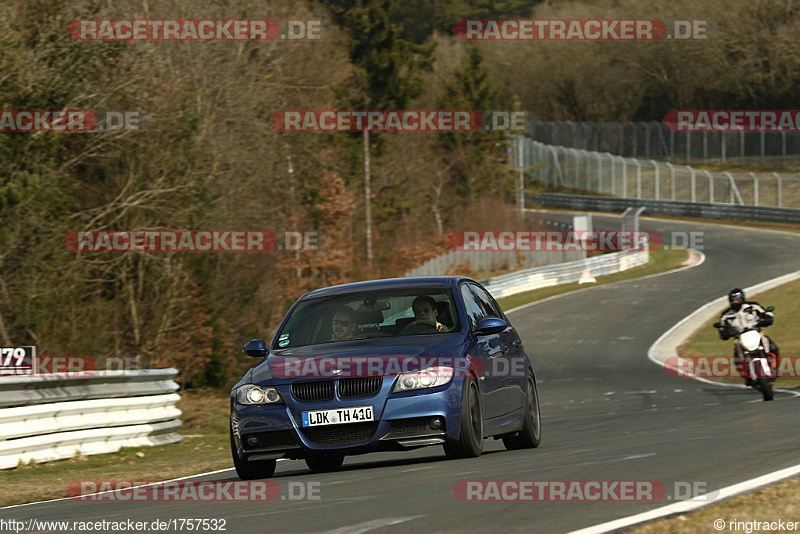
x: 366, y: 315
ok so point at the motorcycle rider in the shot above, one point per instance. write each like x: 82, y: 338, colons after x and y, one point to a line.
x: 740, y: 316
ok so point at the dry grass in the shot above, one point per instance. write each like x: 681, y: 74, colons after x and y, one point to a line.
x: 204, y: 447
x: 781, y: 501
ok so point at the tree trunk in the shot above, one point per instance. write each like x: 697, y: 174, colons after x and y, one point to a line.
x: 367, y: 195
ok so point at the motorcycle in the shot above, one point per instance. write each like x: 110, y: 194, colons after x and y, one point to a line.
x: 760, y: 366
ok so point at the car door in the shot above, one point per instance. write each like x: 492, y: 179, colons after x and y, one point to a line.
x: 485, y: 349
x: 505, y: 362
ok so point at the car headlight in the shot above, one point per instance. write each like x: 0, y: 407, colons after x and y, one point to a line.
x: 429, y: 377
x: 252, y: 394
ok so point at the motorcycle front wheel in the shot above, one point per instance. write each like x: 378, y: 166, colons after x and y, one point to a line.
x: 765, y: 386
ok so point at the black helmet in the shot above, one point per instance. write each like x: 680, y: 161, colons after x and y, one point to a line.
x: 736, y: 298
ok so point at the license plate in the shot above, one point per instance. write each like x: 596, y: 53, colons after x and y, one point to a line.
x: 354, y: 414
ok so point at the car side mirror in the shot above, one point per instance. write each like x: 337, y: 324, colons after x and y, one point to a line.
x: 490, y: 325
x: 256, y: 348
x: 769, y: 308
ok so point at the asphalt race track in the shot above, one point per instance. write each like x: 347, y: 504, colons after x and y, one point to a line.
x: 608, y: 413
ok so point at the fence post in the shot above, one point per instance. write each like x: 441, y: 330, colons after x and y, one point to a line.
x: 588, y: 167
x: 658, y: 186
x: 672, y: 179
x: 780, y: 188
x: 755, y: 188
x: 662, y: 144
x: 741, y: 145
x: 638, y: 178
x: 723, y: 137
x: 672, y: 145
x: 624, y: 177
x: 688, y: 147
x: 693, y: 183
x: 557, y: 166
x: 586, y: 136
x: 783, y: 147
x: 705, y: 147
x: 734, y: 189
x: 574, y: 128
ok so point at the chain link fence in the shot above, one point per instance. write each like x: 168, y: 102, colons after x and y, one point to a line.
x: 609, y: 174
x: 654, y: 140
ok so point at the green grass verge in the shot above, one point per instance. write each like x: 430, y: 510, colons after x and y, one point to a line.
x: 660, y: 261
x: 769, y: 504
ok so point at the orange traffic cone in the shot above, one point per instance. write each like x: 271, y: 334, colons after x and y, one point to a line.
x: 587, y: 277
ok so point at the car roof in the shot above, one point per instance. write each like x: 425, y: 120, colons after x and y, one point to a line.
x: 406, y: 282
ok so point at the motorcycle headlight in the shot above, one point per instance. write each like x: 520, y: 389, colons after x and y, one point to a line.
x: 252, y: 394
x: 430, y: 377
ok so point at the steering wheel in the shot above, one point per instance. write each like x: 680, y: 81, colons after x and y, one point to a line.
x: 421, y: 327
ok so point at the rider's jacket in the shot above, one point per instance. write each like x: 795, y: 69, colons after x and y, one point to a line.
x: 748, y: 316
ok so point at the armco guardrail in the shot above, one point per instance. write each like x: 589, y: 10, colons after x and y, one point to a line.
x: 504, y: 259
x: 667, y: 207
x: 52, y: 418
x: 564, y: 273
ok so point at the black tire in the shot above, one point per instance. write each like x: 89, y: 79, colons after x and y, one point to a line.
x: 470, y: 441
x: 765, y: 386
x: 531, y: 434
x: 324, y: 463
x: 251, y: 470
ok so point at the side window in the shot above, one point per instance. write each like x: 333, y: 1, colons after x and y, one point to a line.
x: 486, y: 302
x: 475, y: 311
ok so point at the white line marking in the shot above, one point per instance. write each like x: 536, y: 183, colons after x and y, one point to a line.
x: 635, y: 457
x: 366, y: 526
x: 694, y: 503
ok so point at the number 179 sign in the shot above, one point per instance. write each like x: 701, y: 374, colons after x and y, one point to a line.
x: 17, y: 361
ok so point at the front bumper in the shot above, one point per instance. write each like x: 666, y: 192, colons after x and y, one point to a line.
x: 402, y: 421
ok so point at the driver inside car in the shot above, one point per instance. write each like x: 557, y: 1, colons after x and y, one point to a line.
x: 343, y: 325
x: 425, y: 314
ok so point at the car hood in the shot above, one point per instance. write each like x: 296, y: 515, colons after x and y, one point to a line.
x: 355, y: 358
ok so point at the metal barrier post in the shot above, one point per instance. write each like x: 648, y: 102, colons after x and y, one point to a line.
x: 638, y: 178
x: 672, y: 178
x: 658, y: 186
x: 755, y: 188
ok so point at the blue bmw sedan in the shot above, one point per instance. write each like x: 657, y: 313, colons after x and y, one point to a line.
x: 391, y: 364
